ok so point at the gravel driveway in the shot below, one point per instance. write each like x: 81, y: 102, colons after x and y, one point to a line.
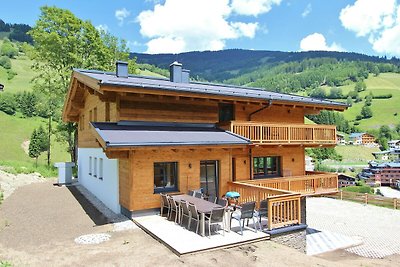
x: 377, y: 227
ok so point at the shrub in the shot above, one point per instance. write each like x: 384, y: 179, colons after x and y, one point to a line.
x: 7, y: 103
x: 382, y: 96
x: 10, y: 74
x: 7, y: 49
x: 5, y: 62
x: 359, y: 189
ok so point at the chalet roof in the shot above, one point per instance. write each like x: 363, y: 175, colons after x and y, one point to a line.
x: 140, y: 134
x: 134, y: 81
x: 355, y: 135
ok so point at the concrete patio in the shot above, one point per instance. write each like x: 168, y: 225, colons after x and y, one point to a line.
x: 182, y: 241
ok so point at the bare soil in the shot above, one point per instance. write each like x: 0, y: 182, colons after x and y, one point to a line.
x: 39, y: 222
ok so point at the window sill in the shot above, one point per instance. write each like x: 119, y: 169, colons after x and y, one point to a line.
x: 165, y: 190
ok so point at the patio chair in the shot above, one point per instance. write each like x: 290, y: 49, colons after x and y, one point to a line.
x: 190, y: 193
x: 212, y: 199
x: 262, y: 210
x: 216, y: 217
x: 198, y: 194
x: 185, y: 212
x: 164, y: 204
x: 246, y: 212
x: 194, y: 215
x: 222, y: 202
x: 173, y: 208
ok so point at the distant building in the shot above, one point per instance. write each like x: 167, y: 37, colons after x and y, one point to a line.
x: 387, y: 155
x: 394, y: 145
x: 362, y: 139
x: 340, y: 139
x: 309, y: 164
x: 346, y: 180
x: 386, y: 173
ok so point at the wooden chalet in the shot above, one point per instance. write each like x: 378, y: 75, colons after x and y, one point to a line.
x: 140, y: 136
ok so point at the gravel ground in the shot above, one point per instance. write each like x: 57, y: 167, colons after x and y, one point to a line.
x: 389, y: 192
x: 377, y: 227
x: 40, y: 222
x: 9, y: 182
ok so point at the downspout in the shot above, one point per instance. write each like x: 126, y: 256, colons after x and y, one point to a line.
x: 261, y: 109
x: 250, y: 164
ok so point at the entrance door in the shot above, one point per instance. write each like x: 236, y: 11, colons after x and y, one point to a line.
x: 209, y: 177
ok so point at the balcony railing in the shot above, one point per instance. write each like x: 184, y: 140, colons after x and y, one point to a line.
x: 284, y: 208
x: 314, y: 183
x: 284, y: 194
x: 265, y: 133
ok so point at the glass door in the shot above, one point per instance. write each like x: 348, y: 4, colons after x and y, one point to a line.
x: 209, y: 177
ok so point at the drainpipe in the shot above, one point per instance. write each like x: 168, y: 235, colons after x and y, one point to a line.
x: 261, y: 109
x: 250, y: 164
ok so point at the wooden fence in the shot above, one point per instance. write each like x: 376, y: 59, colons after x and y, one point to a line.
x: 368, y: 199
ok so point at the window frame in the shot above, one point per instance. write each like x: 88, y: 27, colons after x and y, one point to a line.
x: 173, y: 188
x: 266, y: 172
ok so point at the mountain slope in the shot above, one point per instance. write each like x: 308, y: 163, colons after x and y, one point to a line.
x: 227, y: 64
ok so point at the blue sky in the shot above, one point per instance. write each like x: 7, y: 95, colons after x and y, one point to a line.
x: 160, y: 26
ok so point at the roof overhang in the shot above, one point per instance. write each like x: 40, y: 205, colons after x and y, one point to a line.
x: 127, y: 135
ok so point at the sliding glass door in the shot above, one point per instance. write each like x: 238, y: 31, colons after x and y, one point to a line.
x: 209, y: 177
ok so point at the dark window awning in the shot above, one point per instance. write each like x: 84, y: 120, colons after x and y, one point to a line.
x: 141, y: 134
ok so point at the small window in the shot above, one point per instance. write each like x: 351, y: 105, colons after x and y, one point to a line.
x: 165, y: 177
x: 266, y: 167
x: 100, y: 168
x: 95, y: 168
x: 90, y: 165
x: 226, y: 112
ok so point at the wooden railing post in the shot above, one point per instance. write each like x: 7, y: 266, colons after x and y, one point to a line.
x: 366, y: 198
x: 341, y: 194
x: 395, y: 203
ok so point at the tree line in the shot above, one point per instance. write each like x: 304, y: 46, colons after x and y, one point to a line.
x: 17, y: 32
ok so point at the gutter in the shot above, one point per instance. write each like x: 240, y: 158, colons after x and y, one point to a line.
x: 261, y: 109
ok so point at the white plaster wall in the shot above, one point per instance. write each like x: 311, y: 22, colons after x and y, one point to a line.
x: 105, y: 190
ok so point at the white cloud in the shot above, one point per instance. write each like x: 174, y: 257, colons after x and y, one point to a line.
x: 179, y: 26
x: 307, y: 10
x: 102, y: 28
x: 368, y: 16
x: 121, y: 15
x: 253, y: 7
x: 379, y: 21
x: 317, y: 42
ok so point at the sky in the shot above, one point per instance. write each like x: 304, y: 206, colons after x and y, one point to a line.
x: 370, y: 27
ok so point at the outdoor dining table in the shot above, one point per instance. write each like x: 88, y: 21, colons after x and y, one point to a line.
x: 203, y: 207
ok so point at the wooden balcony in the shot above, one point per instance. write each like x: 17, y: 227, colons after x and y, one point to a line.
x: 277, y: 134
x: 284, y: 194
x: 313, y: 183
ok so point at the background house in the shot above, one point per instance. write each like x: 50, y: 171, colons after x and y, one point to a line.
x: 362, y: 139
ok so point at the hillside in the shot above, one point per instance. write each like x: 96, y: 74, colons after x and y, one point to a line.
x: 232, y: 63
x: 385, y: 111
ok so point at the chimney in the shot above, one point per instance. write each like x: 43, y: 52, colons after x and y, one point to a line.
x: 121, y: 69
x: 177, y: 74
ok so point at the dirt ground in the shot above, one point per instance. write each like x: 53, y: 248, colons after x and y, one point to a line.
x: 39, y: 222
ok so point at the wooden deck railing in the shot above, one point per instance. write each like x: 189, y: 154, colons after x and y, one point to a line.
x: 314, y: 183
x: 265, y: 133
x: 284, y: 207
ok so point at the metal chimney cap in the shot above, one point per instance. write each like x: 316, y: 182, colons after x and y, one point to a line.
x: 175, y: 63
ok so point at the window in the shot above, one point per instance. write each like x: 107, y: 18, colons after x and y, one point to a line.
x: 90, y: 165
x: 100, y: 168
x: 95, y: 168
x: 266, y: 167
x: 226, y: 112
x: 165, y: 177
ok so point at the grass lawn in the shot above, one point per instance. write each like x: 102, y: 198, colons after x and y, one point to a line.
x: 355, y: 154
x: 19, y: 130
x: 22, y: 81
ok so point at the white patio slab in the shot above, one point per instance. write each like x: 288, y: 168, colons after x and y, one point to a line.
x: 183, y: 241
x: 325, y: 241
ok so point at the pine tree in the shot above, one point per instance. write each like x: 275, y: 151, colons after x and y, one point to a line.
x: 34, y: 146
